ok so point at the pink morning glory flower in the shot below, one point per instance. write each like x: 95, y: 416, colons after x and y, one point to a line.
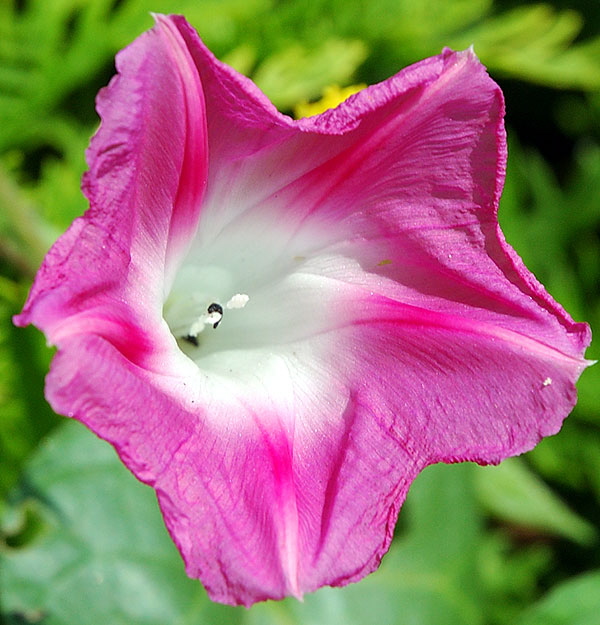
x: 279, y: 323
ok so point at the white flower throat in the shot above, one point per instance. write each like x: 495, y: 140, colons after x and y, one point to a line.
x: 200, y: 300
x: 250, y: 290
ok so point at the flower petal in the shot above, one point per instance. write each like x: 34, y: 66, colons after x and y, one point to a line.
x: 225, y: 471
x: 148, y: 169
x: 390, y: 203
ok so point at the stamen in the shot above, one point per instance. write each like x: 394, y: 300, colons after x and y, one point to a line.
x: 237, y: 301
x: 213, y: 316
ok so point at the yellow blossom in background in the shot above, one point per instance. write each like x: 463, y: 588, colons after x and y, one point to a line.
x: 332, y: 95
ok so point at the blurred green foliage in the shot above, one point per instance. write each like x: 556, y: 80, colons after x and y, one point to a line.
x: 79, y: 537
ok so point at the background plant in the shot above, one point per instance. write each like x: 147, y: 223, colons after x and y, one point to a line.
x: 80, y: 540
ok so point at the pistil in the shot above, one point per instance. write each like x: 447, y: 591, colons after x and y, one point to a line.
x: 213, y: 316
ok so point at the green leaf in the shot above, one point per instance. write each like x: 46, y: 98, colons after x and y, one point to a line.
x: 25, y: 237
x: 58, y: 191
x: 85, y: 544
x: 297, y: 74
x: 428, y: 577
x: 574, y: 602
x: 571, y: 459
x: 513, y: 493
x: 24, y: 361
x: 511, y: 572
x: 98, y: 551
x: 75, y: 41
x: 535, y: 43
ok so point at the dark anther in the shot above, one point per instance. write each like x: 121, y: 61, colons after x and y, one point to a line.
x: 191, y: 339
x: 214, y: 307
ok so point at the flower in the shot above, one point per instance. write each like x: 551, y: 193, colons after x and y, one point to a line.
x: 279, y: 323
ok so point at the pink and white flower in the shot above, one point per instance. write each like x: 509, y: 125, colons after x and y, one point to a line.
x: 279, y: 323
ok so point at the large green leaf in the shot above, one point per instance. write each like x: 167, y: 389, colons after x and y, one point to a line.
x: 575, y: 602
x: 85, y: 544
x: 514, y: 493
x: 430, y: 576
